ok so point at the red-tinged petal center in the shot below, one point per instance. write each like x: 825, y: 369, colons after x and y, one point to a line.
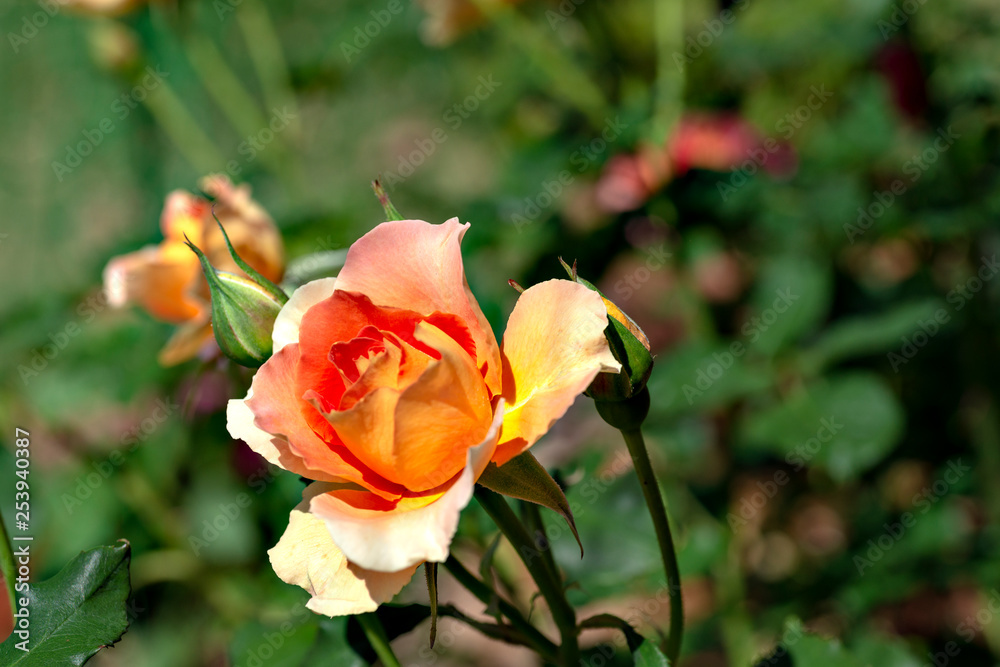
x: 379, y: 365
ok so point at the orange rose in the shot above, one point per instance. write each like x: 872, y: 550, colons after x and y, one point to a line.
x: 167, y: 281
x: 387, y: 387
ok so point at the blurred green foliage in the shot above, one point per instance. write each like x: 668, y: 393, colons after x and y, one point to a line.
x: 883, y: 242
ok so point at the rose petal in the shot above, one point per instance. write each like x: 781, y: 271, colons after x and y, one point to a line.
x: 306, y: 556
x: 286, y: 326
x: 278, y: 425
x: 415, y: 265
x: 157, y: 280
x: 187, y: 341
x: 341, y: 318
x: 417, y: 530
x: 418, y: 436
x: 553, y: 348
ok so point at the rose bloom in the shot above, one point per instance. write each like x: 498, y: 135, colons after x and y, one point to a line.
x: 387, y: 387
x: 167, y: 281
x: 712, y: 141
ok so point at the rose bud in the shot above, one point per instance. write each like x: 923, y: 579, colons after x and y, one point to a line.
x: 630, y: 347
x: 165, y: 279
x: 243, y: 310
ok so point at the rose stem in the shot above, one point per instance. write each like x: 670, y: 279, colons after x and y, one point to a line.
x: 550, y: 587
x: 486, y: 595
x: 658, y: 512
x: 378, y: 639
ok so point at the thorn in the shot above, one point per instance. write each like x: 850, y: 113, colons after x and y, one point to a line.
x: 513, y: 283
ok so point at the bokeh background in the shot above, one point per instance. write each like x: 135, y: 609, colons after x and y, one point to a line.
x: 797, y: 201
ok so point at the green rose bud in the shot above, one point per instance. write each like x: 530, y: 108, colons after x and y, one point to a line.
x: 629, y: 345
x: 243, y: 309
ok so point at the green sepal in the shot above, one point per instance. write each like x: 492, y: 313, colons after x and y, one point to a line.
x: 383, y: 198
x: 524, y: 478
x: 243, y: 314
x: 628, y: 349
x: 253, y: 273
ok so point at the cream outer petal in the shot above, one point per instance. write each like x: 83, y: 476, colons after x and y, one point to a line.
x: 286, y: 325
x: 306, y: 556
x: 240, y: 423
x: 390, y: 541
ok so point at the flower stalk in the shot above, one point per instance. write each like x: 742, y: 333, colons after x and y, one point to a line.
x: 379, y: 641
x: 627, y: 416
x: 486, y: 595
x: 548, y: 584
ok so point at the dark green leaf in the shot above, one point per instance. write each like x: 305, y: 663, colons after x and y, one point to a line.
x: 331, y: 645
x: 283, y: 644
x: 845, y: 425
x: 869, y: 334
x: 804, y: 650
x: 649, y: 655
x: 791, y: 298
x: 77, y: 612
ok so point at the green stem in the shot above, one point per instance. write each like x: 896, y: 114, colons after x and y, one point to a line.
x: 377, y: 638
x: 268, y: 59
x: 532, y: 517
x: 487, y: 595
x: 178, y: 123
x: 658, y: 512
x: 668, y: 17
x: 564, y: 78
x: 549, y: 586
x: 229, y: 94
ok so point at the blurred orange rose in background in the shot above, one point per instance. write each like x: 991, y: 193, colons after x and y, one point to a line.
x: 166, y: 280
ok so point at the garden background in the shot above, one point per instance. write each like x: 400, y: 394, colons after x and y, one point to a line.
x: 798, y: 202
